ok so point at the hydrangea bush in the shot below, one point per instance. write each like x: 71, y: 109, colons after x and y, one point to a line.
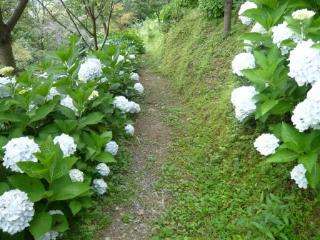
x: 281, y: 65
x: 59, y: 124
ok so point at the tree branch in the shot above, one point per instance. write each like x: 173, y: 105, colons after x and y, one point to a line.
x: 108, y: 26
x: 54, y: 18
x: 1, y: 18
x: 16, y: 14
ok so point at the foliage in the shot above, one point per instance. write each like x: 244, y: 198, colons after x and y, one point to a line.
x: 271, y: 219
x: 212, y: 169
x: 30, y: 108
x: 279, y: 91
x: 175, y: 10
x: 212, y: 8
x: 128, y: 38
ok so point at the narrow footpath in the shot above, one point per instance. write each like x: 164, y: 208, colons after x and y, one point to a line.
x: 150, y: 150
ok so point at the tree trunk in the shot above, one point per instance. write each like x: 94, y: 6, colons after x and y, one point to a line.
x: 6, y: 53
x: 227, y: 16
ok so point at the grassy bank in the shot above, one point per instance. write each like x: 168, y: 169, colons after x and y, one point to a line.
x: 218, y: 183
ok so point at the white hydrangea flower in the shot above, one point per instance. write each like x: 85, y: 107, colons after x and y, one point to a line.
x: 112, y: 147
x: 120, y: 59
x: 66, y: 143
x: 304, y: 63
x: 129, y: 129
x: 67, y: 101
x: 307, y: 113
x: 76, y: 175
x: 139, y: 88
x: 16, y: 211
x: 298, y: 174
x: 132, y: 56
x: 134, y: 107
x: 266, y: 144
x: 32, y: 106
x: 52, y: 235
x: 103, y: 169
x: 121, y: 103
x: 244, y: 7
x: 100, y: 186
x: 282, y: 32
x: 243, y: 101
x: 121, y: 72
x: 134, y: 77
x: 5, y: 80
x: 303, y: 14
x: 19, y: 150
x: 243, y: 61
x: 52, y: 93
x: 104, y: 79
x: 90, y: 70
x: 43, y: 75
x: 93, y: 95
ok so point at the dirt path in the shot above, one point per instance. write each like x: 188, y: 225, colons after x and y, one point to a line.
x: 150, y: 149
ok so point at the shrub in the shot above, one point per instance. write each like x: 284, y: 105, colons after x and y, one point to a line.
x: 127, y: 38
x: 212, y: 8
x: 284, y: 76
x: 58, y: 120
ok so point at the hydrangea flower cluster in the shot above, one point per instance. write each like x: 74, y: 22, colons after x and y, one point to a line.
x: 5, y: 80
x: 139, y: 88
x: 16, y: 211
x: 103, y: 169
x: 282, y: 32
x: 52, y: 93
x: 135, y: 77
x: 302, y: 14
x: 266, y: 144
x: 112, y: 147
x: 307, y: 113
x: 76, y: 175
x: 19, y: 150
x: 66, y: 143
x: 126, y: 106
x: 304, y: 63
x: 129, y: 129
x: 243, y: 61
x: 90, y: 70
x: 67, y: 101
x: 132, y: 57
x: 100, y: 186
x: 120, y: 59
x: 298, y: 174
x: 243, y: 101
x: 244, y: 7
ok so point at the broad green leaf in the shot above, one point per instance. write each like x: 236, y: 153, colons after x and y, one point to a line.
x: 266, y: 107
x: 292, y: 136
x: 33, y: 187
x: 75, y: 206
x: 64, y: 189
x: 105, y: 157
x: 282, y: 156
x: 41, y: 112
x: 91, y: 119
x: 59, y: 223
x: 309, y: 160
x: 41, y: 224
x: 313, y: 177
x: 33, y: 169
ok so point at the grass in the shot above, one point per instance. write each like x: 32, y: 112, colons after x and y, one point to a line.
x: 215, y: 177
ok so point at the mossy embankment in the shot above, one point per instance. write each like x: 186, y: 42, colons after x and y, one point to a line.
x: 214, y: 175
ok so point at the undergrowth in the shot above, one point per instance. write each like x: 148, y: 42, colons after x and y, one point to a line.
x: 216, y: 180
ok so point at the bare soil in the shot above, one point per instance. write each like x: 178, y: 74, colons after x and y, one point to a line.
x: 150, y: 150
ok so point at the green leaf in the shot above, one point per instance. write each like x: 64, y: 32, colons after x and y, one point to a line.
x: 33, y: 187
x: 282, y: 156
x: 292, y: 137
x: 12, y: 117
x: 33, y: 169
x: 59, y: 223
x: 3, y: 187
x: 313, y: 177
x: 309, y: 160
x: 41, y: 224
x: 62, y: 167
x: 43, y: 111
x: 91, y: 119
x: 64, y: 189
x: 266, y: 107
x: 105, y: 157
x: 75, y: 206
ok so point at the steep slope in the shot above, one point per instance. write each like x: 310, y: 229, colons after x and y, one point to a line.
x: 217, y: 181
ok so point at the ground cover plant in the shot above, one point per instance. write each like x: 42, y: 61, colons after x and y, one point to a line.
x: 60, y: 122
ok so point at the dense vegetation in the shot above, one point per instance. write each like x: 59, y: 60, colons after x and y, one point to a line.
x: 68, y: 86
